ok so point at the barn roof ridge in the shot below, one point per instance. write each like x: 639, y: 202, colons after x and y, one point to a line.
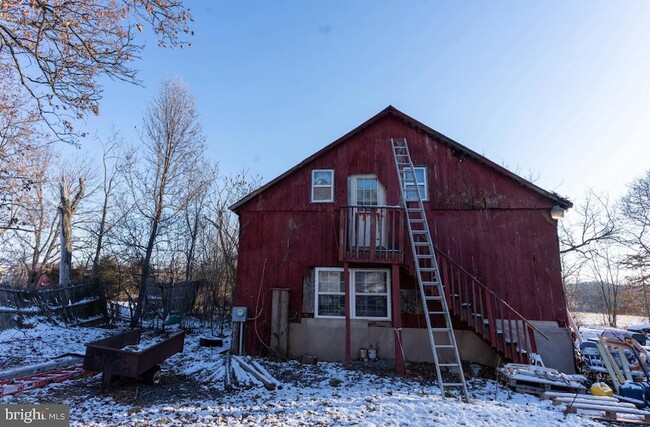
x: 390, y: 110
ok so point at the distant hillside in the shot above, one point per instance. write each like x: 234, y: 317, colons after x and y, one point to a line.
x: 588, y: 297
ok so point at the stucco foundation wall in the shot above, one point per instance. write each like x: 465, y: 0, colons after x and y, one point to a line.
x: 557, y: 351
x: 325, y: 339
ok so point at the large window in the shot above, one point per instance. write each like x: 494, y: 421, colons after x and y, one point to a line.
x: 371, y: 299
x: 330, y: 292
x: 322, y: 185
x: 370, y: 290
x: 420, y: 182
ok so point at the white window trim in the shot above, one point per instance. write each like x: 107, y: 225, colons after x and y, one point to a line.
x: 426, y: 182
x: 353, y: 299
x: 317, y: 293
x: 352, y: 293
x: 313, y: 186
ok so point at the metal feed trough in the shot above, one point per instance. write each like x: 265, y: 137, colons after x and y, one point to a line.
x: 107, y: 356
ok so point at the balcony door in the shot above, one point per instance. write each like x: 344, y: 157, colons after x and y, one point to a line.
x: 367, y: 197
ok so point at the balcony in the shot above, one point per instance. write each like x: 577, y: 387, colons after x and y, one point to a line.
x: 372, y: 234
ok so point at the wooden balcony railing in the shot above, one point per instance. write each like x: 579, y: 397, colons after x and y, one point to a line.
x: 371, y: 234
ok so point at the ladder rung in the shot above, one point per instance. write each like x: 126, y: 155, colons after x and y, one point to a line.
x: 448, y: 364
x: 440, y: 329
x: 445, y: 346
x: 453, y: 384
x: 437, y: 312
x: 434, y: 298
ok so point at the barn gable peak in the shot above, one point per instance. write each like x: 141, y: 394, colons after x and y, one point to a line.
x: 391, y: 111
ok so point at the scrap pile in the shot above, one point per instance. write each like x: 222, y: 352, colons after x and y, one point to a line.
x: 249, y: 373
x: 538, y: 379
x: 606, y: 407
x: 620, y: 360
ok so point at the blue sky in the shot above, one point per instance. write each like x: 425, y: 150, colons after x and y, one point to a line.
x: 556, y: 89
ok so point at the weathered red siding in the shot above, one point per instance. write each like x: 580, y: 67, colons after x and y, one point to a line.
x: 492, y: 225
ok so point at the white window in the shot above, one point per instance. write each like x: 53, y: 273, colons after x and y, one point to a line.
x: 370, y: 290
x: 330, y: 293
x: 322, y: 185
x: 421, y: 182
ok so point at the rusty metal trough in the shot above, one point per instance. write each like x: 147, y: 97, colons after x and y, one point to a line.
x: 107, y: 356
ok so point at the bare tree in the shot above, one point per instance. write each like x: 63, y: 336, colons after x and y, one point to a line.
x: 635, y: 207
x: 115, y: 163
x: 53, y: 53
x: 18, y: 138
x: 606, y: 269
x: 173, y: 143
x: 67, y: 208
x: 33, y: 243
x: 594, y: 223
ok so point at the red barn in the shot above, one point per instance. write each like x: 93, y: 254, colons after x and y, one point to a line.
x: 325, y: 265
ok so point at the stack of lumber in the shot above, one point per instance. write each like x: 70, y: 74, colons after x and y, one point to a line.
x: 255, y: 370
x: 538, y: 379
x: 601, y: 407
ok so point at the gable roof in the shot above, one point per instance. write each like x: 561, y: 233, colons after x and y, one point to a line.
x: 392, y: 111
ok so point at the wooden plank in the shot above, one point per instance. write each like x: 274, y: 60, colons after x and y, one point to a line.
x: 280, y: 322
x: 258, y: 375
x: 610, y: 411
x: 563, y: 400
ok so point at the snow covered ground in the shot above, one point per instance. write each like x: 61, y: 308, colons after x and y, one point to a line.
x: 598, y: 319
x: 192, y: 392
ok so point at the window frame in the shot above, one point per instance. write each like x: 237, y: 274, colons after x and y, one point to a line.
x: 424, y: 184
x: 317, y: 292
x: 352, y: 293
x: 314, y: 186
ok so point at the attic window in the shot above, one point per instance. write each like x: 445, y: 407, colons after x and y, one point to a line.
x: 322, y: 185
x: 420, y: 180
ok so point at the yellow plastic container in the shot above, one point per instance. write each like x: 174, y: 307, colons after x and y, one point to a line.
x: 601, y: 389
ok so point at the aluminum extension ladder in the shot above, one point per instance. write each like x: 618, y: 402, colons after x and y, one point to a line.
x: 442, y: 340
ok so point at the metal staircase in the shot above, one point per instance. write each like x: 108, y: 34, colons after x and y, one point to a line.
x: 432, y: 292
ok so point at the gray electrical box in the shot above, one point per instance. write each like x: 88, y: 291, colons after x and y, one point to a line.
x: 239, y: 314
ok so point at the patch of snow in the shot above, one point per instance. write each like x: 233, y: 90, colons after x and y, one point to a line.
x: 325, y: 394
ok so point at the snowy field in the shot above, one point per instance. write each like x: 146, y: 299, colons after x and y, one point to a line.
x: 597, y: 319
x: 192, y: 392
